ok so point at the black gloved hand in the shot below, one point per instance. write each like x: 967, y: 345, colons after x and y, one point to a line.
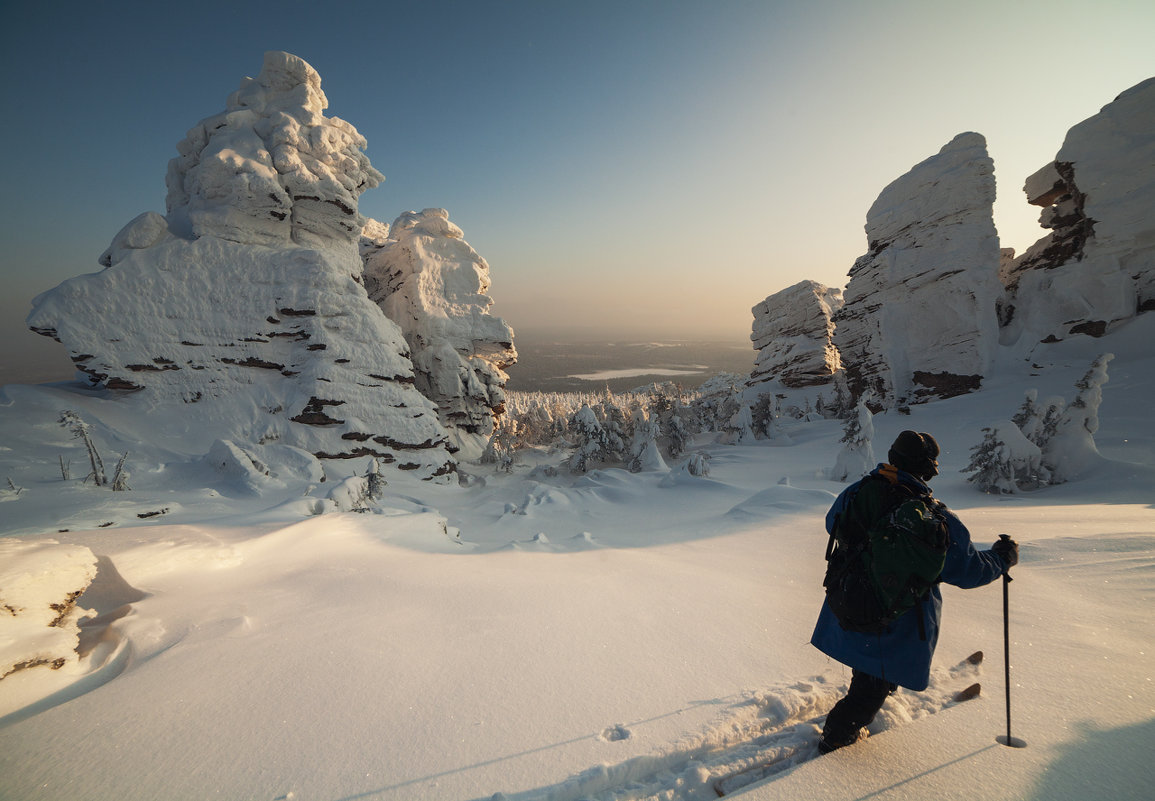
x: 1007, y: 550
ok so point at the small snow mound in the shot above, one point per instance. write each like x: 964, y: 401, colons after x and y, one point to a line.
x: 543, y: 496
x: 538, y: 542
x: 583, y: 541
x: 781, y: 498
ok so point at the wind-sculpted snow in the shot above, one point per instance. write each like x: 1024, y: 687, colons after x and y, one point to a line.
x: 424, y: 275
x: 272, y: 169
x: 793, y: 334
x: 1096, y: 267
x: 919, y: 316
x: 248, y: 295
x: 781, y: 499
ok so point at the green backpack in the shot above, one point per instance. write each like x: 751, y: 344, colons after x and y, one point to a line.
x: 877, y: 572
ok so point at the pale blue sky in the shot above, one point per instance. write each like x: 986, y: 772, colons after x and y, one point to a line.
x: 658, y: 167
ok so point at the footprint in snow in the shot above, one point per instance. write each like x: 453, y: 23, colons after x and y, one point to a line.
x: 615, y: 733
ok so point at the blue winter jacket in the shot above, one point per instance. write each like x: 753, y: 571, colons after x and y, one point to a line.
x: 899, y: 654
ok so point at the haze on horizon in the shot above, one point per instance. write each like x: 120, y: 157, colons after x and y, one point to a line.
x: 628, y: 169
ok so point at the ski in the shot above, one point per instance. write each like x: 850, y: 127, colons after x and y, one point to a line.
x: 763, y: 770
x: 790, y: 757
x: 970, y: 692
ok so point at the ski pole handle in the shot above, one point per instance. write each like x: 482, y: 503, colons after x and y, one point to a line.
x: 1007, y: 573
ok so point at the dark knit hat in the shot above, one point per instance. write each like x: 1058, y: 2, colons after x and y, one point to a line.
x: 915, y: 453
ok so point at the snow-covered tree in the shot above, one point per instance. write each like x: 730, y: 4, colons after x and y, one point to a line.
x: 736, y: 423
x: 857, y: 455
x: 1029, y: 418
x: 1063, y: 436
x: 615, y: 428
x: 1006, y: 461
x: 1070, y: 451
x: 673, y: 416
x: 535, y: 426
x: 698, y: 465
x: 644, y: 453
x: 81, y: 430
x: 374, y: 481
x: 120, y: 475
x: 762, y: 414
x: 842, y: 404
x: 588, y: 437
x: 502, y: 444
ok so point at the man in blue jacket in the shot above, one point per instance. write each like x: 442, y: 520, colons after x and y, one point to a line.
x: 901, y: 653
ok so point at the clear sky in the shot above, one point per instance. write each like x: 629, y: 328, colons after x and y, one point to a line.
x: 653, y: 167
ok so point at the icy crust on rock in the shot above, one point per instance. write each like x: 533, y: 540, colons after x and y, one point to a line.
x: 1096, y: 267
x: 249, y: 291
x: 271, y: 169
x: 793, y: 334
x: 424, y: 275
x: 40, y: 581
x: 290, y: 328
x: 919, y: 315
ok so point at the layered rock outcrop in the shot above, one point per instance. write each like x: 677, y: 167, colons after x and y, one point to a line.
x: 423, y: 274
x: 1096, y: 267
x: 40, y: 582
x: 919, y: 315
x: 793, y: 334
x: 248, y: 294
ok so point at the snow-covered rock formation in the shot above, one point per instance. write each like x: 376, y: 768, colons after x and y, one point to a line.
x: 425, y: 276
x: 1096, y: 267
x: 271, y: 169
x: 40, y: 581
x: 249, y: 291
x: 793, y: 334
x: 919, y: 315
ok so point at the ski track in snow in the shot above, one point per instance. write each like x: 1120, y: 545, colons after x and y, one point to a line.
x: 780, y: 724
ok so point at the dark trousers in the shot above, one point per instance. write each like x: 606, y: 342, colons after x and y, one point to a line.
x: 863, y: 700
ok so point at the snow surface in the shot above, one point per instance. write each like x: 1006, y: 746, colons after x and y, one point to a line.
x: 528, y: 636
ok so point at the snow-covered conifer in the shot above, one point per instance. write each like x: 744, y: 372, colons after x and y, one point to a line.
x: 588, y: 437
x: 1070, y: 451
x: 673, y: 417
x: 615, y: 428
x: 1006, y: 461
x: 762, y: 414
x: 842, y: 405
x: 535, y: 425
x: 120, y: 475
x: 698, y: 465
x: 1029, y: 417
x: 736, y: 423
x: 644, y: 454
x: 375, y: 482
x: 502, y: 445
x: 857, y: 455
x: 678, y: 436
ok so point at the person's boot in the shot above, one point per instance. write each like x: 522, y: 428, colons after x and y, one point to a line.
x: 832, y: 742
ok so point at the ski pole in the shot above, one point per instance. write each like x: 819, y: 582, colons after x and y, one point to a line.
x: 1013, y: 742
